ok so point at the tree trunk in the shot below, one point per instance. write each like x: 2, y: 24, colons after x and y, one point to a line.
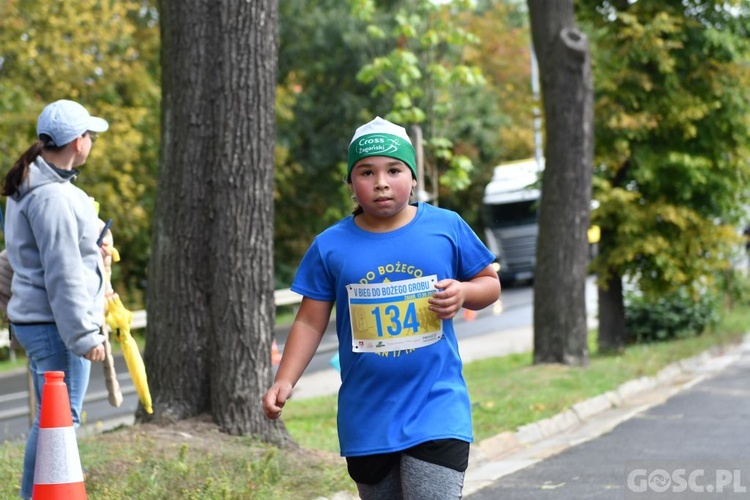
x: 210, y: 294
x: 560, y: 330
x: 612, y: 330
x: 612, y: 335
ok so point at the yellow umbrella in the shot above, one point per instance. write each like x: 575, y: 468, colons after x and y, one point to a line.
x: 119, y: 319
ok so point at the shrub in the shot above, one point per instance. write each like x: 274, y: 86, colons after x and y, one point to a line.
x: 677, y: 315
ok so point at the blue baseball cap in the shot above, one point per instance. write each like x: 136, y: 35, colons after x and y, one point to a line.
x: 65, y: 120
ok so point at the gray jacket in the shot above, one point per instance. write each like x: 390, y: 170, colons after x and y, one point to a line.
x: 51, y: 230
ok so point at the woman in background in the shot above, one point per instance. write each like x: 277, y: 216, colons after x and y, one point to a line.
x: 56, y: 308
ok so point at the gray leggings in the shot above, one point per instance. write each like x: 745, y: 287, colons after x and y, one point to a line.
x: 415, y: 479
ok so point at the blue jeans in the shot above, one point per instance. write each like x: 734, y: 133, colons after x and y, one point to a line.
x: 46, y: 351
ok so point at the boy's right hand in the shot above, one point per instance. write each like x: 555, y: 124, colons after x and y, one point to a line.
x: 275, y: 399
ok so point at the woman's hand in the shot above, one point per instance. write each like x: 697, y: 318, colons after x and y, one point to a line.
x: 106, y: 248
x: 96, y: 353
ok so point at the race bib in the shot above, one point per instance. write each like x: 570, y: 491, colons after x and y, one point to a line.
x: 393, y: 316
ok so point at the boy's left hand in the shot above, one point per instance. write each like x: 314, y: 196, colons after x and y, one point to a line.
x: 449, y: 298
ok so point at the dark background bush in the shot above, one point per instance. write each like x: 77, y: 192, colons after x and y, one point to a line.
x: 672, y: 316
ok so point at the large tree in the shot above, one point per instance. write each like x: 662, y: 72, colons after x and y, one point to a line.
x: 673, y: 91
x: 560, y: 331
x: 210, y: 295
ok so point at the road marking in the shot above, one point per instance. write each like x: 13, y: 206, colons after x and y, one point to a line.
x: 13, y: 396
x: 24, y: 410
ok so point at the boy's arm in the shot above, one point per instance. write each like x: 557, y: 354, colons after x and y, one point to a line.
x: 481, y: 290
x: 303, y: 340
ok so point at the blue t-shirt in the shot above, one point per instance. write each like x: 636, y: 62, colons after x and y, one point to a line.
x: 392, y: 401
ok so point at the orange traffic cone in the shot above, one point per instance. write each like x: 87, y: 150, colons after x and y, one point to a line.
x: 275, y: 354
x: 58, y: 473
x: 470, y: 315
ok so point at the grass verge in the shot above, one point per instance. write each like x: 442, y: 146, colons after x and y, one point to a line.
x: 191, y: 459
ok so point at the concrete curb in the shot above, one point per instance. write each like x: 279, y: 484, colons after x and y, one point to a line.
x: 502, y: 454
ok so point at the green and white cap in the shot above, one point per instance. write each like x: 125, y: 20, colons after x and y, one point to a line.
x: 381, y: 138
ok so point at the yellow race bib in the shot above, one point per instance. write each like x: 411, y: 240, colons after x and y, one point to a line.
x: 393, y: 316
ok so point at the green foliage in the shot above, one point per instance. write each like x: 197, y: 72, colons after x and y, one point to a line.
x: 422, y: 70
x: 104, y: 55
x: 672, y: 136
x: 735, y: 285
x: 667, y: 317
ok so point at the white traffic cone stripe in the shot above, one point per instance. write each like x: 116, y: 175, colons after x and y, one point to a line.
x: 57, y: 459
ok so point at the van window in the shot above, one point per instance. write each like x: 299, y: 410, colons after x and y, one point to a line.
x: 519, y: 213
